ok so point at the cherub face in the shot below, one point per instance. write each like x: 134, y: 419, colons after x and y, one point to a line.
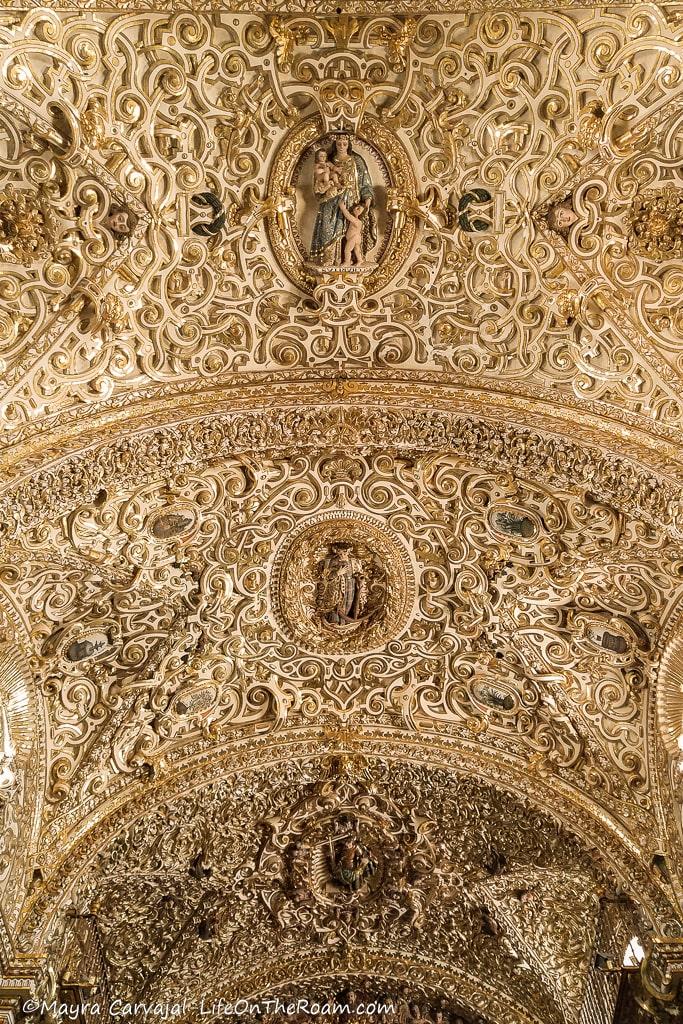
x: 119, y: 222
x: 357, y: 210
x: 562, y: 217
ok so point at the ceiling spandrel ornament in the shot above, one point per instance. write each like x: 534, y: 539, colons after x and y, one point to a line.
x: 656, y: 225
x: 28, y: 225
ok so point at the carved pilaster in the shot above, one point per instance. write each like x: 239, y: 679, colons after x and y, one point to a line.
x: 14, y: 991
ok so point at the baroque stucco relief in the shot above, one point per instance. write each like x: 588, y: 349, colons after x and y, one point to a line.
x: 340, y: 408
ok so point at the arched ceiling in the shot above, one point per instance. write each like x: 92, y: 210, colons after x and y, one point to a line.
x: 313, y: 551
x: 235, y: 923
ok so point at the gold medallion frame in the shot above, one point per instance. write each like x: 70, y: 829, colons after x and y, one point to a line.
x: 401, y: 182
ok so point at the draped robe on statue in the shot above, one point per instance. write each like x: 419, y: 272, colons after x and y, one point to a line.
x: 330, y: 223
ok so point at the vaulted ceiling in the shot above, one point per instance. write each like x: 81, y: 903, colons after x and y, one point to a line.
x: 340, y: 506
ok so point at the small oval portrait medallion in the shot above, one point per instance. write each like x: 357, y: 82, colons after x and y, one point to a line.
x: 173, y: 522
x: 91, y: 644
x: 518, y: 523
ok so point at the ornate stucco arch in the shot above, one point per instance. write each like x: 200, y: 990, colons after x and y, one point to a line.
x: 91, y: 873
x: 604, y: 837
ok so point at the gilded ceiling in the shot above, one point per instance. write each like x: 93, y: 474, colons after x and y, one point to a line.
x: 341, y: 640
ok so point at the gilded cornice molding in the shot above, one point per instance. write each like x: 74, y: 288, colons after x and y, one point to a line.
x: 655, y: 445
x: 76, y: 479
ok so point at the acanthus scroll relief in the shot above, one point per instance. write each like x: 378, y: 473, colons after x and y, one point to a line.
x: 412, y: 590
x: 310, y: 863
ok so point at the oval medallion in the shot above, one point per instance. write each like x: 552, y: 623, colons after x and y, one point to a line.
x: 342, y: 583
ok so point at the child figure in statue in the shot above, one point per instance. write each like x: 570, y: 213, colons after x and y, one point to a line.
x: 353, y: 239
x: 325, y: 175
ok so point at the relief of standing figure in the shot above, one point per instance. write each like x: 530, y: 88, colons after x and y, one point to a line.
x: 351, y: 864
x: 342, y: 590
x: 353, y: 239
x: 342, y: 183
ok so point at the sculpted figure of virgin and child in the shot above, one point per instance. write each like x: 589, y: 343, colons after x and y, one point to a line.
x: 345, y: 229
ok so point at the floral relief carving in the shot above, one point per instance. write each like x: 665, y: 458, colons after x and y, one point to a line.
x: 233, y: 866
x: 220, y: 621
x: 422, y: 142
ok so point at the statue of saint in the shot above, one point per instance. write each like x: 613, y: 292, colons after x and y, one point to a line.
x: 345, y: 227
x: 351, y: 863
x: 342, y: 592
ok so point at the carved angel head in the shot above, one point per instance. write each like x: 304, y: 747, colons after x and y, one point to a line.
x: 120, y: 221
x: 561, y: 217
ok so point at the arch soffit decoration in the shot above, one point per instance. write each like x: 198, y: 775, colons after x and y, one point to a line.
x: 97, y: 825
x: 96, y: 858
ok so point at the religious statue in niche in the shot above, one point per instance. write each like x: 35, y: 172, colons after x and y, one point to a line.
x: 345, y: 593
x: 342, y: 583
x: 332, y: 201
x: 344, y: 859
x: 351, y: 862
x: 345, y: 229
